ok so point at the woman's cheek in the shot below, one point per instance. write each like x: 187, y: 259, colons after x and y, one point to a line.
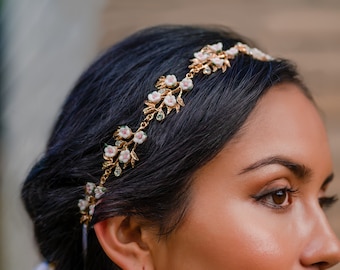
x: 238, y: 235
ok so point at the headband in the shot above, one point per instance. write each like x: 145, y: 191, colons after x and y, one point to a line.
x: 166, y: 98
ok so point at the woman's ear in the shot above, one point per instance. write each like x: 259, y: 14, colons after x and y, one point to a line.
x: 126, y: 242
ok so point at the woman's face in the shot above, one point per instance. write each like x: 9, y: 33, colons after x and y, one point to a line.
x: 256, y: 205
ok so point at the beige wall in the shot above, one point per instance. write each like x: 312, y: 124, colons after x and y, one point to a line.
x: 67, y: 34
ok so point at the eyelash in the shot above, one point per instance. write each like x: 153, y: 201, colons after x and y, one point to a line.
x: 327, y: 202
x: 265, y: 198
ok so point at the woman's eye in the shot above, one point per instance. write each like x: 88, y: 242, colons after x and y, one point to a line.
x: 278, y: 199
x: 327, y: 202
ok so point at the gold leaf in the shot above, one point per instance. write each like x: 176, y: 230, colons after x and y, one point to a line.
x: 107, y: 164
x: 180, y: 101
x: 107, y: 158
x: 168, y: 109
x: 148, y: 110
x: 160, y: 83
x: 150, y: 104
x: 134, y: 155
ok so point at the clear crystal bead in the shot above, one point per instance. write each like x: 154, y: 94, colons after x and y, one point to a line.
x: 118, y: 171
x: 160, y: 116
x: 207, y: 70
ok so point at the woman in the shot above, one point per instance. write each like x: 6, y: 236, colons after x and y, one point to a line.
x: 185, y: 148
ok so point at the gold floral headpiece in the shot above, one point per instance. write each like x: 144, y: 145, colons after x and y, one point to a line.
x: 166, y: 98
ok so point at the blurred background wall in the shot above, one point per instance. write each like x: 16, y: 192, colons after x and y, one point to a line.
x: 46, y: 45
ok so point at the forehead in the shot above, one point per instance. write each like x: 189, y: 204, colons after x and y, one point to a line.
x: 284, y: 122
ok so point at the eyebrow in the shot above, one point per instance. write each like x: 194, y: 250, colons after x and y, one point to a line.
x: 327, y: 181
x: 300, y: 171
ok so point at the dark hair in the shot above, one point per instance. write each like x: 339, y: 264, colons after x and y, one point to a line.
x: 111, y: 93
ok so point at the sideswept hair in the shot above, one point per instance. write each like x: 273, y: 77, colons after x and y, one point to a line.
x: 110, y: 93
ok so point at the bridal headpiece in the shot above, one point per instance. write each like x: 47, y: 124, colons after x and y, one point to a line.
x: 167, y: 97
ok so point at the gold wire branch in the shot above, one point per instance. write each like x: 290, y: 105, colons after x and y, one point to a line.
x: 161, y: 102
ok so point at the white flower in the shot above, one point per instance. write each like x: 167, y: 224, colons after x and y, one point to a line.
x: 110, y: 151
x: 90, y: 187
x: 186, y: 84
x: 99, y: 191
x: 232, y: 51
x: 244, y: 47
x: 170, y: 80
x: 124, y: 156
x: 259, y: 55
x: 125, y: 132
x: 91, y: 209
x: 82, y: 204
x: 170, y: 100
x: 267, y: 57
x: 201, y: 56
x: 139, y: 137
x: 256, y: 53
x: 217, y: 61
x: 154, y: 97
x: 216, y: 47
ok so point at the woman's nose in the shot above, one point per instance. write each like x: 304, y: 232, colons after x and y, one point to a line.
x: 323, y: 247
